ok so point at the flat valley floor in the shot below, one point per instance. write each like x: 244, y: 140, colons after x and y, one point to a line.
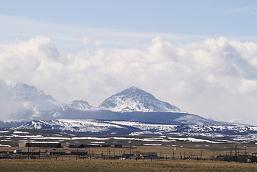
x: 70, y: 165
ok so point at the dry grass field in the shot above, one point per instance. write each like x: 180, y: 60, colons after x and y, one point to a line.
x: 68, y: 165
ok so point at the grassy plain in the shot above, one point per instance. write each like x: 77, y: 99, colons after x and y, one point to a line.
x: 70, y: 165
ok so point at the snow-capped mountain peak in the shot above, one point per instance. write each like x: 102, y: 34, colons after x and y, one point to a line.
x: 136, y: 99
x: 21, y: 101
x: 80, y: 105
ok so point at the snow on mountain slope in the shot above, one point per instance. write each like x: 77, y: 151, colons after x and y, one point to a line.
x: 134, y: 99
x: 145, y: 126
x: 82, y: 125
x: 79, y: 105
x: 190, y: 119
x: 69, y: 125
x: 21, y: 101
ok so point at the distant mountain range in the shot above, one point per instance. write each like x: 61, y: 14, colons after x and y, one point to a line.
x: 132, y: 111
x: 132, y: 104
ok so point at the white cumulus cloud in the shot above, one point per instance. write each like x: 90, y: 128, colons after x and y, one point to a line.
x: 214, y: 77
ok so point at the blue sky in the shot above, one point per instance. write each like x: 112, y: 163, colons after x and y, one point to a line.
x: 237, y: 18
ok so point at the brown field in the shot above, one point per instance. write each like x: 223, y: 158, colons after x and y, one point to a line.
x: 68, y: 165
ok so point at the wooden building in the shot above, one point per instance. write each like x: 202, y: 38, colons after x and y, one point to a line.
x: 41, y: 144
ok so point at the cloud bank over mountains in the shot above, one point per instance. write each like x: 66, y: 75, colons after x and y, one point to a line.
x: 216, y: 77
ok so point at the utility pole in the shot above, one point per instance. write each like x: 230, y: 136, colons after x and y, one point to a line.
x: 77, y: 154
x: 236, y: 152
x: 28, y: 145
x: 130, y: 149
